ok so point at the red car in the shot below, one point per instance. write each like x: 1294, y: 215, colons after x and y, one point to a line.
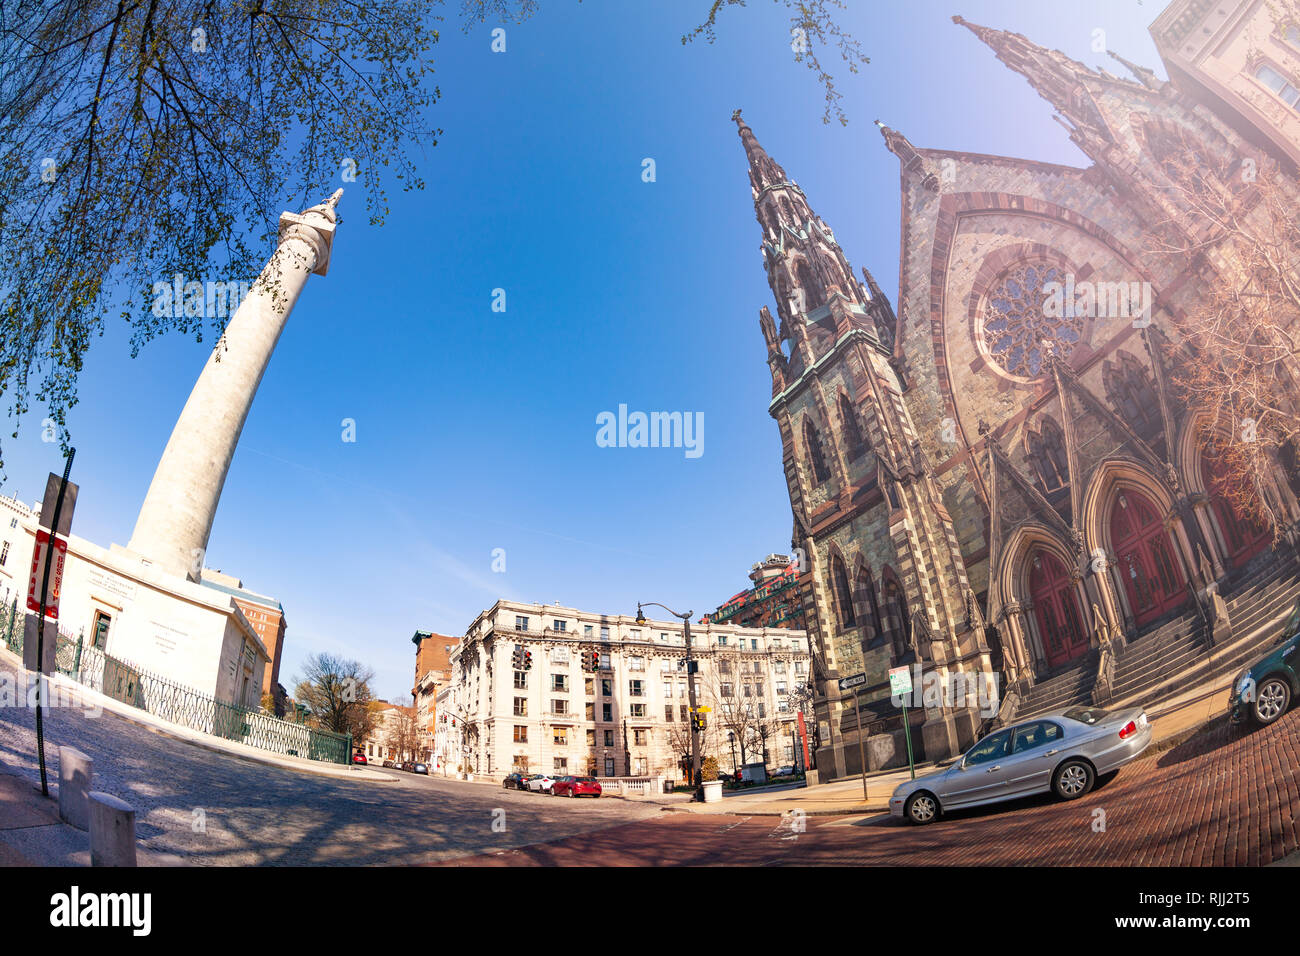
x: 359, y: 757
x: 575, y: 787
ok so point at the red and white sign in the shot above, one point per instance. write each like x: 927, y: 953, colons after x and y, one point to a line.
x: 38, y: 572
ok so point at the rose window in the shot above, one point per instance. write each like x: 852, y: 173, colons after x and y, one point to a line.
x: 1018, y: 331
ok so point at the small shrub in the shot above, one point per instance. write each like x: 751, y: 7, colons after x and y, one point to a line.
x: 709, y: 769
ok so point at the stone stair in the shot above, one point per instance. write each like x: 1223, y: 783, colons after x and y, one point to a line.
x: 1175, y: 655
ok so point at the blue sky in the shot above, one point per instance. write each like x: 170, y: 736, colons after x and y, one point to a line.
x: 476, y: 429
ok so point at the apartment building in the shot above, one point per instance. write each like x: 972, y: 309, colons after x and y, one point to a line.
x: 547, y: 688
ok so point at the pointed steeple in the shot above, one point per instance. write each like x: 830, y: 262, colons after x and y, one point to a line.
x: 1145, y: 75
x: 1057, y: 78
x: 764, y: 172
x: 912, y: 161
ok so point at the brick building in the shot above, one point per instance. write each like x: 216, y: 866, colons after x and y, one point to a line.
x: 775, y: 600
x: 432, y: 674
x: 266, y: 615
x: 980, y: 483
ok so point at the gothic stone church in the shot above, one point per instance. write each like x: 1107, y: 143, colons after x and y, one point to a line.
x: 978, y: 487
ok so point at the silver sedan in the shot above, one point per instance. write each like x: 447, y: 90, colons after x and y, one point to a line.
x: 1060, y: 753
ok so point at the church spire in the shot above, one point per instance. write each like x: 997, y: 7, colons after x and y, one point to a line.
x: 1057, y: 78
x: 764, y: 172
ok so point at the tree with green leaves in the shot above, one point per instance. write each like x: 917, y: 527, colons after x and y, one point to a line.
x: 145, y: 139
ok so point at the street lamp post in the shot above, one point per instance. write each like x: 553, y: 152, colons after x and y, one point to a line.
x: 731, y: 739
x: 690, y: 689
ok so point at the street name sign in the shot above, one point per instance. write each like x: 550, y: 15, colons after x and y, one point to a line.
x: 857, y: 680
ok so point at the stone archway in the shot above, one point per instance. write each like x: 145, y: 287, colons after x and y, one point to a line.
x: 1239, y: 538
x: 1045, y: 604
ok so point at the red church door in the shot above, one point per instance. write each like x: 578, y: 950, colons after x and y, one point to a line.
x: 1056, y: 609
x: 1152, y: 578
x: 1242, y: 537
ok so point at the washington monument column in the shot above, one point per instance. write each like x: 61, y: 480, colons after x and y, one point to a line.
x: 176, y: 519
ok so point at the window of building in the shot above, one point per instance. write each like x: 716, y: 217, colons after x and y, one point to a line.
x: 799, y: 667
x: 521, y: 680
x: 591, y: 710
x: 636, y: 634
x: 521, y: 706
x: 753, y: 643
x: 681, y: 689
x: 684, y: 713
x: 589, y: 686
x: 560, y: 626
x: 521, y: 623
x: 663, y: 637
x: 606, y: 712
x: 722, y: 640
x: 559, y: 706
x: 638, y: 710
x: 13, y: 522
x: 587, y: 631
x: 779, y: 667
x: 725, y: 690
x: 1047, y: 455
x: 783, y: 705
x: 100, y: 629
x: 668, y: 688
x: 640, y: 736
x: 638, y: 766
x: 762, y: 709
x: 604, y: 662
x: 854, y: 443
x: 758, y: 667
x: 4, y: 553
x: 636, y: 688
x: 668, y: 713
x: 560, y: 682
x: 609, y: 742
x: 560, y: 736
x: 724, y: 666
x: 749, y: 689
x: 604, y: 633
x: 780, y: 687
x: 606, y: 687
x: 561, y: 765
x: 1278, y: 83
x: 636, y: 664
x: 521, y: 733
x: 815, y: 457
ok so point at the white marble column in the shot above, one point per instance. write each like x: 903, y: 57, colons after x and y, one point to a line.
x: 176, y: 518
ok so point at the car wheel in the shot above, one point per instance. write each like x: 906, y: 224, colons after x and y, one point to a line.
x: 1271, y: 700
x: 921, y: 808
x: 1073, y: 779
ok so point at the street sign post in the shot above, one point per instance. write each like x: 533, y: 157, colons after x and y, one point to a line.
x: 59, y: 489
x: 900, y: 685
x: 854, y: 682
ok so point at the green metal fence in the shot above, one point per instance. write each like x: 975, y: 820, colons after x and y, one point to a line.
x: 67, y: 652
x: 13, y: 633
x: 191, y: 708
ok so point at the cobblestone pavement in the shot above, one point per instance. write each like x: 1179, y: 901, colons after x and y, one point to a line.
x: 252, y: 813
x: 1226, y: 797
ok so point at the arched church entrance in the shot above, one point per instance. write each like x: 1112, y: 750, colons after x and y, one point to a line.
x: 1056, y: 609
x: 1242, y: 538
x: 1145, y: 557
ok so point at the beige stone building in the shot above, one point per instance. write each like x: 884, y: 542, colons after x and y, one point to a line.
x: 1240, y: 58
x: 627, y: 717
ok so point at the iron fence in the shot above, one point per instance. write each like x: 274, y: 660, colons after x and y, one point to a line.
x: 67, y: 650
x: 196, y: 710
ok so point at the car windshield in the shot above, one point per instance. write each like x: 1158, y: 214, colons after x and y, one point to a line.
x: 1087, y: 715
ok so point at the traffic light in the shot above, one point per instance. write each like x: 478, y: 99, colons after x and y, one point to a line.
x: 528, y: 660
x: 518, y: 657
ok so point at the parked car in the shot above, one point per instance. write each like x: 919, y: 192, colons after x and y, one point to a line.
x: 359, y: 757
x: 388, y: 764
x: 1266, y: 687
x: 540, y: 783
x: 575, y: 787
x: 514, y: 781
x: 786, y: 771
x: 407, y: 766
x: 1061, y: 753
x: 418, y: 767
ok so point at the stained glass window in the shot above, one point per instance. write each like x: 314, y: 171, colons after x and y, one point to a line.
x: 1016, y: 325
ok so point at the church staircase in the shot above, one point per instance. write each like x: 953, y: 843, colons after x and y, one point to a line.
x: 1176, y: 655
